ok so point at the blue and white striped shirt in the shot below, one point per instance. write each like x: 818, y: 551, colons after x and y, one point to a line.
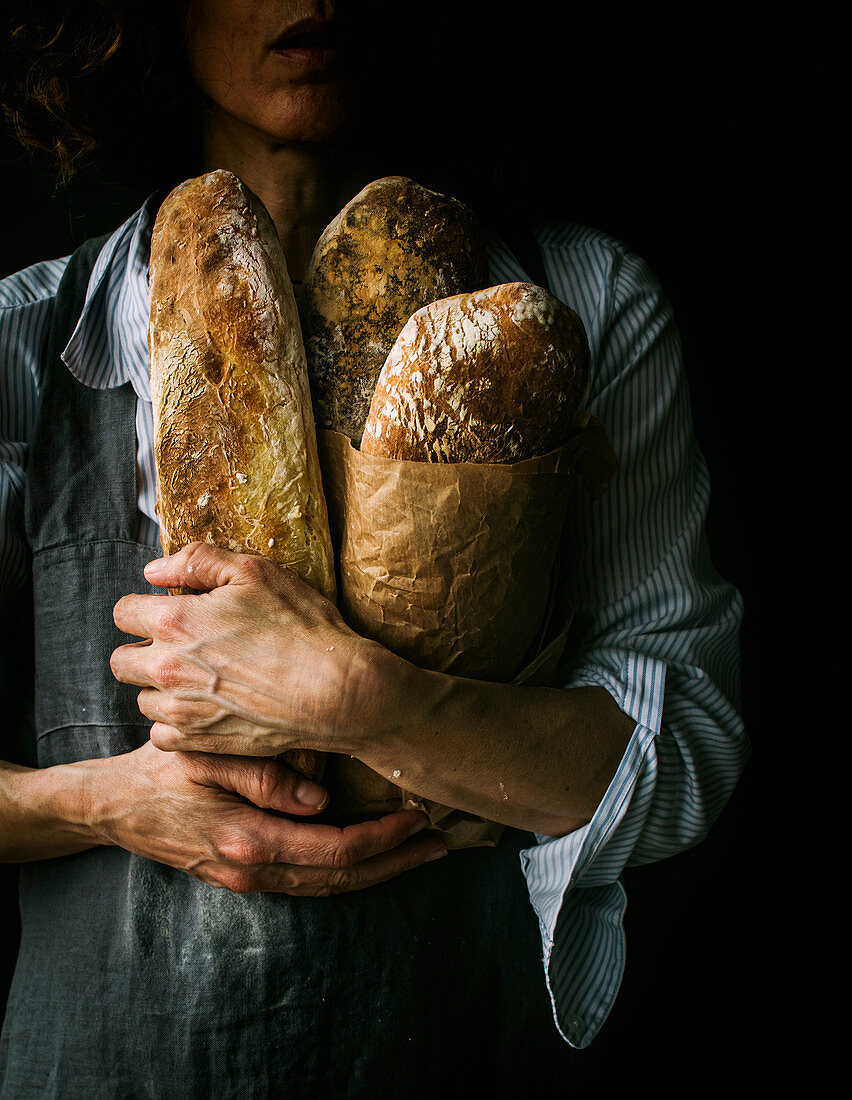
x: 662, y: 628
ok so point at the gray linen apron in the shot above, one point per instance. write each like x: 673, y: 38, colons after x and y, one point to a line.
x: 137, y: 980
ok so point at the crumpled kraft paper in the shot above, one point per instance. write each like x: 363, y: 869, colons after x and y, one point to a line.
x: 455, y: 568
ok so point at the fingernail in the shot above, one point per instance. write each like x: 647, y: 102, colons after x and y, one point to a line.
x: 154, y: 566
x: 310, y: 794
x: 438, y: 853
x: 419, y: 824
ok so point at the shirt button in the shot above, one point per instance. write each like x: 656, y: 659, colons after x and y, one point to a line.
x: 576, y: 1025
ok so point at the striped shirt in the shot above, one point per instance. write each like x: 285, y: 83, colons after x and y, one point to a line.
x: 661, y: 628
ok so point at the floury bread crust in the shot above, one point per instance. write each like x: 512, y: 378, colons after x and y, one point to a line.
x: 235, y: 443
x: 393, y: 248
x: 496, y: 376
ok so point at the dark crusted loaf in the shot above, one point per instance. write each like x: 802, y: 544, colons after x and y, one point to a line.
x: 395, y: 247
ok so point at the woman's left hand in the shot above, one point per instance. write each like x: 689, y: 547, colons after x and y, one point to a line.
x: 257, y: 663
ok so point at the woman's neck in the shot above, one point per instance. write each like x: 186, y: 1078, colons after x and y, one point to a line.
x: 301, y: 185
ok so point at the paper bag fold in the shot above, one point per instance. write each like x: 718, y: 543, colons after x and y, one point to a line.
x: 456, y: 568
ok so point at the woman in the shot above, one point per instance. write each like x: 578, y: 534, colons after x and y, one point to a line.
x: 333, y: 956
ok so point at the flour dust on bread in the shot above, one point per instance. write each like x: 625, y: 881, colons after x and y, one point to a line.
x: 234, y: 436
x: 395, y: 247
x: 235, y: 443
x: 496, y: 376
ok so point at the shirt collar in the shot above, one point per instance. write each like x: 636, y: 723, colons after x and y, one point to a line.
x: 109, y: 345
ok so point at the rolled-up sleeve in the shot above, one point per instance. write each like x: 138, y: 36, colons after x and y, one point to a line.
x: 659, y: 630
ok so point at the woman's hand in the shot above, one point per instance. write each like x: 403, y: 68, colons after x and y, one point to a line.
x: 256, y: 664
x: 210, y: 816
x: 259, y: 663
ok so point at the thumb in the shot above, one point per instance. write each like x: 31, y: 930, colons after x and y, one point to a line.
x: 202, y: 567
x: 268, y: 784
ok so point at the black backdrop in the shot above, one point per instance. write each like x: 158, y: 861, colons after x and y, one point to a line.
x: 707, y: 137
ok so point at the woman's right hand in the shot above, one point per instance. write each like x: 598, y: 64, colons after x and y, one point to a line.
x: 210, y: 816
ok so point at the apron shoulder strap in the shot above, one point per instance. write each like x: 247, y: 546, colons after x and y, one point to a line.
x: 81, y: 464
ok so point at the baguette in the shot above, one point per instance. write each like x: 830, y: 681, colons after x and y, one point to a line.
x: 234, y: 437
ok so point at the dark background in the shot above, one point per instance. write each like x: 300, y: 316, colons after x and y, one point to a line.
x: 707, y: 137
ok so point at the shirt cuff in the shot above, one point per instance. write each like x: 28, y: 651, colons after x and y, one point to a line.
x: 573, y: 880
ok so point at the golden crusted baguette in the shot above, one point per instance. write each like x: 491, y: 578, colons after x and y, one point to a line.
x: 235, y: 443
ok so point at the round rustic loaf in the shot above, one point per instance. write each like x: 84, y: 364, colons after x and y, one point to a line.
x: 393, y: 248
x: 496, y: 376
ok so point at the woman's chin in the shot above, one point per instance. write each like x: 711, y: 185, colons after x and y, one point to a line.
x: 312, y: 113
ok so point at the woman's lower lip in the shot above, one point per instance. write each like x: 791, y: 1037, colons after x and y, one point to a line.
x: 309, y: 57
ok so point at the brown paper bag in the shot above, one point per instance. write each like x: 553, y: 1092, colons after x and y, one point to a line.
x: 455, y: 568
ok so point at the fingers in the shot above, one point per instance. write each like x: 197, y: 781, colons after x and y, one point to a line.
x: 203, y: 567
x: 162, y: 617
x: 268, y: 784
x: 297, y: 857
x: 249, y: 870
x: 203, y: 731
x: 323, y: 882
x: 160, y: 667
x: 207, y: 828
x: 127, y: 662
x: 333, y: 847
x: 197, y: 566
x: 184, y: 722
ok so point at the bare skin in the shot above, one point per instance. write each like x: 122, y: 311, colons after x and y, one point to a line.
x: 272, y: 119
x: 260, y: 663
x: 238, y: 674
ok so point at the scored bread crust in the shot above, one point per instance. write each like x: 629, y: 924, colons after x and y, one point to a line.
x: 498, y: 376
x: 393, y: 248
x: 235, y: 443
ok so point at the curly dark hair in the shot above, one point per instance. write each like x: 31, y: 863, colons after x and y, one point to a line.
x: 104, y: 78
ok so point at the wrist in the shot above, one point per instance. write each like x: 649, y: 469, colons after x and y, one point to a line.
x: 400, y: 707
x: 67, y: 798
x: 47, y: 807
x: 367, y: 690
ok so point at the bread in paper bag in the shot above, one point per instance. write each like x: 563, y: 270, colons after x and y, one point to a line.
x: 447, y: 522
x: 494, y: 376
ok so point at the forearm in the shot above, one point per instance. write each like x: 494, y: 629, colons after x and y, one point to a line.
x: 534, y: 758
x: 259, y: 664
x: 43, y: 812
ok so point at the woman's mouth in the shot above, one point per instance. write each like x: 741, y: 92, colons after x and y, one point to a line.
x: 309, y: 44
